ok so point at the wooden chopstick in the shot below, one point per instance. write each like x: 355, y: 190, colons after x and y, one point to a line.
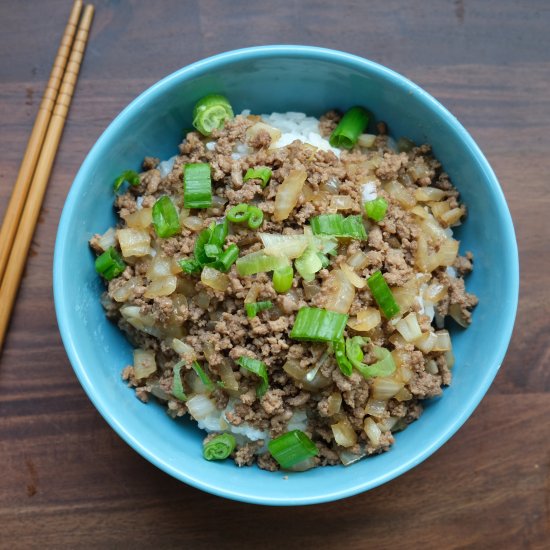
x: 27, y: 223
x: 34, y: 145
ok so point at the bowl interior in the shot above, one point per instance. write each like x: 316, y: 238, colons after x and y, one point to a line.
x: 265, y: 80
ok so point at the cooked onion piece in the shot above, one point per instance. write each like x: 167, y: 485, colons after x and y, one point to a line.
x: 288, y: 193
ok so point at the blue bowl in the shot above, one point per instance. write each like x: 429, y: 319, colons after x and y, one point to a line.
x: 266, y: 79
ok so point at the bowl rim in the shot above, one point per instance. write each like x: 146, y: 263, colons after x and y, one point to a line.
x: 304, y: 52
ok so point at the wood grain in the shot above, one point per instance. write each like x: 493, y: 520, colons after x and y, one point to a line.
x: 67, y: 481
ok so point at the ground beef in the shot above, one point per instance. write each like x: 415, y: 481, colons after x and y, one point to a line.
x: 214, y: 324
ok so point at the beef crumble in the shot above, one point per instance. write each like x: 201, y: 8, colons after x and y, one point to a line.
x: 214, y: 325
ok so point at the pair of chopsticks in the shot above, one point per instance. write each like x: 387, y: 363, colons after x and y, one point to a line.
x: 26, y: 199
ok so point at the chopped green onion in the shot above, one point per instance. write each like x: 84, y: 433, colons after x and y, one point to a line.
x: 211, y: 112
x: 383, y: 295
x: 385, y: 366
x: 308, y: 264
x: 177, y: 384
x: 318, y: 325
x: 291, y: 448
x: 352, y: 125
x: 338, y: 226
x: 212, y: 251
x: 190, y: 266
x: 238, y: 214
x: 202, y: 375
x: 325, y: 262
x: 227, y: 258
x: 131, y: 176
x: 165, y: 218
x: 376, y: 209
x: 254, y: 308
x: 219, y: 447
x: 353, y: 350
x: 260, y: 173
x: 246, y: 213
x: 110, y: 264
x: 209, y: 252
x: 259, y: 369
x: 197, y: 186
x: 255, y: 217
x: 219, y: 233
x: 259, y: 262
x: 340, y: 354
x: 200, y: 242
x: 282, y: 279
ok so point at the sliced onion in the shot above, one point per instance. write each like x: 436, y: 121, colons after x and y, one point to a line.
x: 431, y: 367
x: 228, y: 377
x: 214, y: 279
x: 310, y: 380
x: 455, y: 311
x: 140, y: 219
x: 439, y: 208
x: 159, y: 268
x: 373, y: 431
x: 375, y: 407
x: 291, y: 246
x: 311, y: 289
x: 426, y: 342
x: 202, y: 299
x: 144, y: 323
x: 347, y: 457
x: 428, y: 194
x: 123, y: 292
x: 193, y: 222
x: 339, y: 292
x: 405, y: 373
x: 258, y: 127
x: 330, y: 187
x: 344, y: 434
x: 288, y: 193
x: 366, y: 140
x: 403, y: 395
x: 387, y: 424
x: 446, y: 255
x: 144, y: 363
x: 419, y: 211
x: 366, y: 320
x: 358, y: 260
x: 406, y: 294
x: 134, y: 242
x: 431, y: 228
x: 200, y: 406
x: 161, y: 287
x: 108, y: 239
x: 453, y: 216
x: 185, y: 351
x: 435, y: 292
x: 384, y: 389
x: 353, y: 278
x: 400, y: 194
x: 409, y: 328
x: 443, y: 342
x: 342, y: 202
x: 334, y: 402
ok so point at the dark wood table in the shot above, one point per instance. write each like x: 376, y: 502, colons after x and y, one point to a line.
x: 68, y: 481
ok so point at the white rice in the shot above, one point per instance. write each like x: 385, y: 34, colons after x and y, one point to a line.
x: 298, y: 126
x: 368, y: 191
x: 166, y: 166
